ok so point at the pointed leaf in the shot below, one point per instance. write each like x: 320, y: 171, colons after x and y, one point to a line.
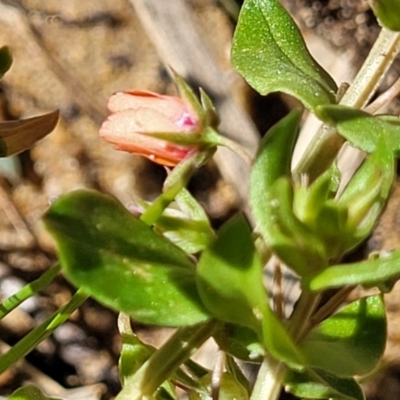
x: 269, y: 51
x: 361, y: 129
x: 121, y: 262
x: 367, y: 273
x: 350, y: 342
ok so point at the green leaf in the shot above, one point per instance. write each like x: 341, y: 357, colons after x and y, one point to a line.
x: 317, y: 384
x: 387, y: 13
x: 350, y: 342
x: 134, y: 353
x: 30, y: 392
x: 361, y: 129
x: 279, y: 343
x: 229, y: 276
x: 121, y: 262
x: 5, y: 60
x: 367, y: 273
x: 269, y: 51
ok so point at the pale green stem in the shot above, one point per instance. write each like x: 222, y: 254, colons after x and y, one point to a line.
x: 29, y: 290
x: 164, y: 362
x: 269, y: 380
x: 325, y: 145
x: 175, y: 182
x: 33, y: 338
x: 236, y: 148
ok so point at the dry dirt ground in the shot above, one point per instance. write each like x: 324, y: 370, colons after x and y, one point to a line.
x: 71, y: 56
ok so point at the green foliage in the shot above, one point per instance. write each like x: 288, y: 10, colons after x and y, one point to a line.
x: 232, y: 259
x: 387, y: 13
x: 351, y: 341
x: 121, y: 262
x: 318, y: 384
x: 269, y: 51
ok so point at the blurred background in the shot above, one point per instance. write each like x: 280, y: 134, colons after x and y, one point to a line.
x: 72, y: 55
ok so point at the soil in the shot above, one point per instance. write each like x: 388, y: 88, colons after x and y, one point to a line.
x: 71, y: 56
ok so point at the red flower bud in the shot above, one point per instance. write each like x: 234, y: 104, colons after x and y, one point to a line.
x: 136, y: 114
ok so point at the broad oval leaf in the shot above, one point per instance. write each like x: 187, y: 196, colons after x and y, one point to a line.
x: 269, y: 51
x: 317, y: 384
x: 121, y: 262
x: 350, y: 342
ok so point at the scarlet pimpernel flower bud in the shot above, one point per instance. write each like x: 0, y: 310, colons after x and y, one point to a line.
x: 139, y: 119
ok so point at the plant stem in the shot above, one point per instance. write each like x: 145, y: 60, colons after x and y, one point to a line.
x: 33, y: 338
x: 326, y: 144
x: 164, y: 362
x: 269, y: 380
x: 29, y: 290
x: 175, y: 182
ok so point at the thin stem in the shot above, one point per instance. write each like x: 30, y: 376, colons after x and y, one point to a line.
x: 164, y: 362
x: 269, y: 380
x: 175, y: 182
x: 299, y: 322
x: 29, y: 290
x: 236, y: 148
x: 33, y: 338
x: 326, y: 144
x: 331, y: 305
x: 385, y: 98
x: 372, y: 72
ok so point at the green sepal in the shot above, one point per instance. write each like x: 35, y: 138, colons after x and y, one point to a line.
x: 318, y: 384
x: 121, y: 262
x: 269, y: 51
x: 367, y: 192
x: 351, y: 341
x: 291, y: 240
